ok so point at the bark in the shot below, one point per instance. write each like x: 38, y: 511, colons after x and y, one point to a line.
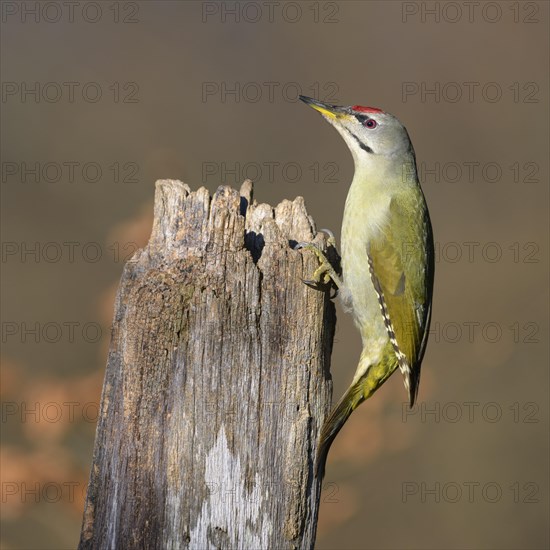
x: 217, y: 381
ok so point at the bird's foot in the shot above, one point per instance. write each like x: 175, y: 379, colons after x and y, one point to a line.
x: 325, y: 272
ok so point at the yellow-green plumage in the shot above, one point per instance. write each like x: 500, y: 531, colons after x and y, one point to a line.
x: 387, y: 258
x: 354, y: 396
x: 402, y: 264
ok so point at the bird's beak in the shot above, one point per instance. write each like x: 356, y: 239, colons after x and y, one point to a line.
x: 326, y: 109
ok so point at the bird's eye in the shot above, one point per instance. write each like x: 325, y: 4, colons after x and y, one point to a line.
x: 370, y: 123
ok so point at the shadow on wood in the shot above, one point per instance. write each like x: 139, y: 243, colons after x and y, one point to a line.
x: 217, y: 381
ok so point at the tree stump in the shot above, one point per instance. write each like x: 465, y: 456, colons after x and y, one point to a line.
x: 217, y: 381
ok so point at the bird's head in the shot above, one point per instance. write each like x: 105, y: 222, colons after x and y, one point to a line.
x: 366, y: 130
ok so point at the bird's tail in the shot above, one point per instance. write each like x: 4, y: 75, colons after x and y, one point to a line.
x: 372, y: 378
x: 333, y: 424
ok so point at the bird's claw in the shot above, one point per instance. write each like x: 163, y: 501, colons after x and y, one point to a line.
x: 324, y: 273
x: 331, y: 241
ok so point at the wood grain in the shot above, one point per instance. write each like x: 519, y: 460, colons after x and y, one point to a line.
x: 217, y: 381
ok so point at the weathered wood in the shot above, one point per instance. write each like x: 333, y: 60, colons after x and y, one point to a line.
x: 217, y: 381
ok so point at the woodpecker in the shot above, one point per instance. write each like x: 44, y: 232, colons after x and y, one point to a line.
x: 387, y: 258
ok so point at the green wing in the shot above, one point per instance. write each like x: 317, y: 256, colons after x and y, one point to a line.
x: 401, y: 268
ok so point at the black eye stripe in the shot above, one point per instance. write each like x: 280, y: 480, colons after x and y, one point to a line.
x: 362, y: 118
x: 363, y: 146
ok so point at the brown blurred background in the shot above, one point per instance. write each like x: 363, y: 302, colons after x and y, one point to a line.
x: 101, y: 99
